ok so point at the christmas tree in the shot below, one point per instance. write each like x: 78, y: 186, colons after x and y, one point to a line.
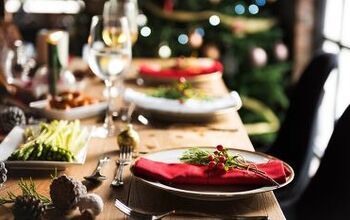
x: 243, y: 35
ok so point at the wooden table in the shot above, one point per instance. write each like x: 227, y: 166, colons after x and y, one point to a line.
x: 154, y: 137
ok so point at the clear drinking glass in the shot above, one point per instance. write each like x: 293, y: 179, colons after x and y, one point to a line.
x: 109, y: 55
x: 129, y: 9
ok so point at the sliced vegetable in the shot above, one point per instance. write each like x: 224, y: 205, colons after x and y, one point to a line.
x: 58, y: 141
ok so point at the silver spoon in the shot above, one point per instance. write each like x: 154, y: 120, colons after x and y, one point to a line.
x: 97, y: 176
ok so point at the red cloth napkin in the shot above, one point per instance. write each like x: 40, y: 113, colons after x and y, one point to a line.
x: 188, y: 174
x: 155, y: 71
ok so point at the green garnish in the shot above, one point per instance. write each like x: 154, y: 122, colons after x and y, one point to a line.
x: 56, y: 141
x: 181, y: 91
x: 28, y: 188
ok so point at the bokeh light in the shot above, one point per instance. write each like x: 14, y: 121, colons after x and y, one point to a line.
x: 141, y: 20
x: 260, y: 2
x: 200, y: 31
x: 214, y: 20
x: 164, y: 51
x: 239, y: 9
x: 145, y: 31
x: 253, y: 9
x: 182, y: 39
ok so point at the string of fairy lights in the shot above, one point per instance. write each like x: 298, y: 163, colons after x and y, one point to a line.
x: 195, y: 37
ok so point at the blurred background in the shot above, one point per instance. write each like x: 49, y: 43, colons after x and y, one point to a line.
x: 264, y: 45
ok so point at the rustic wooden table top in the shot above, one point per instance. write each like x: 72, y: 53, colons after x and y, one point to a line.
x: 228, y: 131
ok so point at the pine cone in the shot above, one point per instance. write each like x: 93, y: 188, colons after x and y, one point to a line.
x: 10, y: 117
x: 3, y: 172
x: 65, y: 192
x: 28, y: 208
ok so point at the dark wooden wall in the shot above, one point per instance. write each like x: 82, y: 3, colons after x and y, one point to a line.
x: 2, y: 9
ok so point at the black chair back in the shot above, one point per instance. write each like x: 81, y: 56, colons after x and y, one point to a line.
x: 293, y: 140
x: 328, y: 194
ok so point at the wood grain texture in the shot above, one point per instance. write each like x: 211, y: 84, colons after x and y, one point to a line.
x: 229, y: 132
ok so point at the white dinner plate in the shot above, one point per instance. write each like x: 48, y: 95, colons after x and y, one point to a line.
x: 15, y: 138
x: 191, y: 110
x: 70, y: 114
x: 213, y: 193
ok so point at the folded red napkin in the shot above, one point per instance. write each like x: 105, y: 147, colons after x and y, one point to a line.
x: 156, y: 71
x: 188, y: 174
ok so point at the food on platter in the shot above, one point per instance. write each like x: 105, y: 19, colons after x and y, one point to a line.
x: 181, y: 91
x: 55, y: 141
x: 67, y: 100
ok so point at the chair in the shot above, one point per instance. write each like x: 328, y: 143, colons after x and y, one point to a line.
x: 327, y: 196
x: 292, y: 144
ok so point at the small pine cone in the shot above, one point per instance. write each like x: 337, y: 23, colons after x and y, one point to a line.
x: 3, y: 169
x: 10, y: 117
x: 65, y: 192
x: 3, y: 172
x: 28, y: 208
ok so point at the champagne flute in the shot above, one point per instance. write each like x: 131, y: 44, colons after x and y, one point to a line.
x: 109, y: 56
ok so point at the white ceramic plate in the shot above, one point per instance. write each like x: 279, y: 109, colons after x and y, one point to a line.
x: 15, y: 138
x: 191, y: 110
x: 213, y: 193
x: 71, y: 114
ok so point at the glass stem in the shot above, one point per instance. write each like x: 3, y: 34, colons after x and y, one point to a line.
x: 108, y: 123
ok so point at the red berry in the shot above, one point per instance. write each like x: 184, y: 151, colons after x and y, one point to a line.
x: 211, y: 164
x: 222, y: 159
x: 210, y: 157
x: 219, y: 147
x: 220, y: 166
x: 216, y: 152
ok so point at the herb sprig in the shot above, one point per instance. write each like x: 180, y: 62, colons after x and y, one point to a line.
x: 27, y: 188
x: 221, y: 160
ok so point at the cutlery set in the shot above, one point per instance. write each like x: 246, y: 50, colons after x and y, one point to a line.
x: 125, y: 157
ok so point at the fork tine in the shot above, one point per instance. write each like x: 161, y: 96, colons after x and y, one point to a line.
x: 127, y: 153
x: 130, y: 154
x: 122, y: 153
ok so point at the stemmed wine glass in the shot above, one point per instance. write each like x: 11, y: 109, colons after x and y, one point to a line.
x: 109, y: 55
x: 129, y: 9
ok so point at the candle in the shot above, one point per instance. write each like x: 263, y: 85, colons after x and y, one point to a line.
x: 54, y: 60
x: 62, y: 38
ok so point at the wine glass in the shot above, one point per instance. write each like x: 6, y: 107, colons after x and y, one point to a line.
x: 109, y: 55
x: 129, y: 9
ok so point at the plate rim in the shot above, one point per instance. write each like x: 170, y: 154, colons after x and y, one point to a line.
x: 191, y: 116
x: 194, y: 193
x: 80, y: 112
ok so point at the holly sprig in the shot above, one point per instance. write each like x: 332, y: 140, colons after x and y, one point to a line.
x: 221, y: 160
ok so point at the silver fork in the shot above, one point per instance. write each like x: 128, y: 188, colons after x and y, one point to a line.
x: 136, y: 214
x: 125, y: 157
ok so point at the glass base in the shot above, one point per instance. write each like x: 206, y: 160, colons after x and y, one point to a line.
x: 104, y: 131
